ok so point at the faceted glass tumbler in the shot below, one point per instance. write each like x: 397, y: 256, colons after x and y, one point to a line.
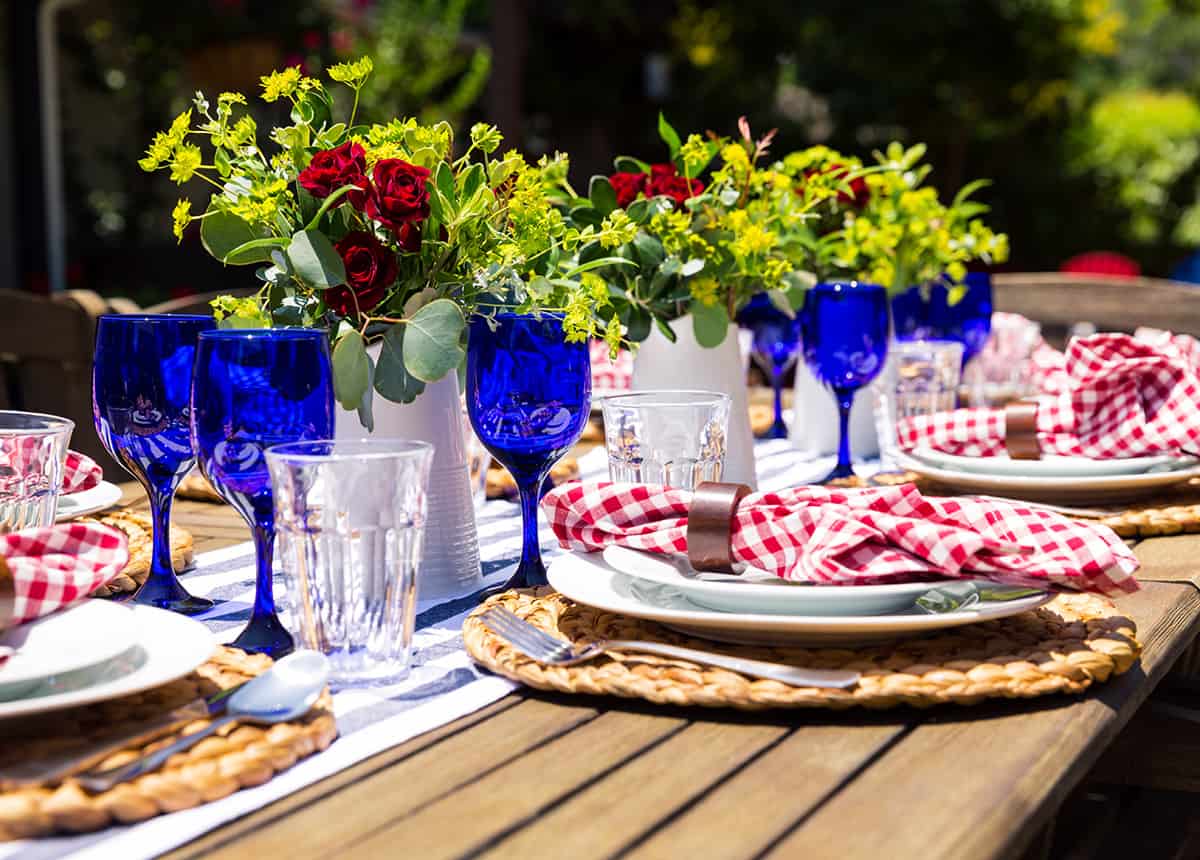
x: 921, y: 377
x: 350, y: 522
x: 671, y: 438
x: 33, y: 449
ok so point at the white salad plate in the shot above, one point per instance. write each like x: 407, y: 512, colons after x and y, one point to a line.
x: 1054, y: 466
x: 100, y: 497
x: 80, y: 636
x: 757, y: 591
x: 1092, y: 489
x: 167, y: 646
x: 590, y: 580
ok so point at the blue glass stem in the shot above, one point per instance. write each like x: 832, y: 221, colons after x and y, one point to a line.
x: 845, y: 401
x: 265, y: 634
x: 530, y: 572
x: 162, y: 588
x: 779, y: 429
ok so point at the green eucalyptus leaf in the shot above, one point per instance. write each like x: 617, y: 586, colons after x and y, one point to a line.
x: 637, y: 324
x: 668, y: 134
x: 639, y: 211
x: 222, y: 233
x: 221, y: 160
x: 649, y: 249
x: 627, y: 164
x: 315, y: 261
x: 392, y: 379
x: 664, y: 328
x: 710, y: 324
x: 586, y: 216
x: 443, y: 178
x: 432, y: 345
x: 780, y: 301
x: 351, y: 370
x: 602, y: 195
x: 366, y: 412
x: 254, y: 248
x: 472, y: 180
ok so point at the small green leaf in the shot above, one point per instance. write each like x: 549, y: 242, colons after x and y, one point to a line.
x: 639, y: 211
x: 649, y: 249
x: 366, y: 412
x: 222, y: 233
x: 221, y: 160
x: 602, y: 195
x: 664, y: 328
x: 327, y: 203
x: 779, y: 300
x: 586, y: 216
x: 669, y: 136
x: 626, y: 164
x: 472, y: 180
x: 969, y: 189
x: 710, y: 323
x: 392, y: 379
x: 351, y: 370
x: 243, y: 251
x: 315, y: 260
x: 637, y: 324
x: 432, y: 345
x: 444, y: 180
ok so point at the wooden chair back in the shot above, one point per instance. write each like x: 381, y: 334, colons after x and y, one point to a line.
x: 1058, y: 301
x: 46, y: 346
x: 198, y: 304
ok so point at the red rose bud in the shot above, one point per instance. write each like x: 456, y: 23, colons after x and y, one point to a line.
x: 409, y: 238
x: 627, y: 186
x: 370, y: 270
x: 399, y: 194
x: 665, y: 181
x: 331, y: 169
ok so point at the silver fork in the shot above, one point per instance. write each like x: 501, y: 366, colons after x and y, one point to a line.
x: 541, y: 646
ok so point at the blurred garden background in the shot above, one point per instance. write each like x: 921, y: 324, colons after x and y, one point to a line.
x: 1085, y: 114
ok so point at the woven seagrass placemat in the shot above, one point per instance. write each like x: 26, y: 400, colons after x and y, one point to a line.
x: 1064, y: 647
x: 239, y: 756
x: 139, y: 529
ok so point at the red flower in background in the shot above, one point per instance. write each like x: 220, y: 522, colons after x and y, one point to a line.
x: 665, y: 181
x: 857, y: 196
x: 628, y: 186
x: 370, y: 270
x: 399, y: 194
x: 1102, y: 263
x: 330, y: 169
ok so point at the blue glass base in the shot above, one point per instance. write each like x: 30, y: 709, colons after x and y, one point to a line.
x: 779, y: 430
x: 530, y: 574
x: 265, y: 635
x: 165, y: 592
x: 841, y: 470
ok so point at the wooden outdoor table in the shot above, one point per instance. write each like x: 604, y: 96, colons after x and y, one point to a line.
x: 557, y: 776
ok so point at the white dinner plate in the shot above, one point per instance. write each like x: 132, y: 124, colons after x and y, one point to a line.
x: 100, y: 497
x: 168, y: 647
x: 1053, y: 466
x: 761, y: 592
x: 1093, y: 489
x: 83, y: 635
x: 589, y: 579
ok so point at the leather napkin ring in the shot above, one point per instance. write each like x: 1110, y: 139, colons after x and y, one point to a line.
x: 710, y: 525
x: 1020, y: 430
x: 7, y: 596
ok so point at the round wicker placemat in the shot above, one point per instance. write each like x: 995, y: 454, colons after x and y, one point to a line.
x: 239, y: 756
x: 139, y: 529
x: 1064, y: 647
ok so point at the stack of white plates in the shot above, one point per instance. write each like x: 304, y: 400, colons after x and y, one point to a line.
x: 1054, y: 478
x: 95, y: 651
x: 758, y: 609
x: 100, y: 497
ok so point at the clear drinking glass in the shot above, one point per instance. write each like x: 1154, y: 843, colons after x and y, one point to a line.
x: 350, y: 521
x: 33, y: 449
x: 479, y: 460
x: 1000, y: 373
x: 672, y: 438
x: 921, y: 377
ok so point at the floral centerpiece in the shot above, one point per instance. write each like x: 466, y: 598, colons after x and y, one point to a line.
x: 380, y: 231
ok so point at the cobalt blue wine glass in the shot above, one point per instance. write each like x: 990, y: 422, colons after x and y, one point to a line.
x: 253, y: 389
x: 141, y: 377
x: 969, y: 320
x: 528, y: 396
x: 912, y: 315
x: 844, y: 329
x: 776, y: 343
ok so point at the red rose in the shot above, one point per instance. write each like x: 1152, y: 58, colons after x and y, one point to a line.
x: 408, y: 237
x: 331, y: 169
x: 399, y: 195
x: 370, y: 270
x: 627, y: 186
x: 858, y: 195
x: 665, y: 181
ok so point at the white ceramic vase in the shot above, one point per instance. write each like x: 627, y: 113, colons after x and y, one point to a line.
x: 815, y: 418
x: 450, y: 565
x: 662, y: 365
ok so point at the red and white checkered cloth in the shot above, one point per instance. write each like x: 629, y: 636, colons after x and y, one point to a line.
x: 1126, y: 398
x: 56, y: 566
x: 858, y: 537
x: 23, y: 454
x: 610, y: 376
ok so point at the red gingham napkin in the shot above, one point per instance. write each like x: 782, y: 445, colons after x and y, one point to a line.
x: 22, y: 453
x: 80, y: 473
x: 56, y: 566
x: 1126, y: 398
x: 858, y: 537
x: 610, y: 376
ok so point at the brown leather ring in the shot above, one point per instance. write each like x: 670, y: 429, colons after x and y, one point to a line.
x: 710, y: 525
x: 7, y: 596
x: 1020, y: 430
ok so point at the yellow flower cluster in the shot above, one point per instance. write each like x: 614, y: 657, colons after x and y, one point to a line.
x: 352, y: 73
x: 181, y: 216
x: 706, y: 291
x: 674, y: 230
x: 286, y: 83
x: 260, y: 204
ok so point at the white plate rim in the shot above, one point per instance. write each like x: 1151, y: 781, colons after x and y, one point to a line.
x: 1087, y: 468
x: 174, y: 646
x: 116, y: 637
x: 100, y: 497
x: 1073, y: 485
x: 567, y: 570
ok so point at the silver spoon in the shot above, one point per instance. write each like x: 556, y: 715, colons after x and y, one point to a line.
x: 284, y: 692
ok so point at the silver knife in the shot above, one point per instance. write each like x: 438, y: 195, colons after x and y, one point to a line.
x: 54, y: 769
